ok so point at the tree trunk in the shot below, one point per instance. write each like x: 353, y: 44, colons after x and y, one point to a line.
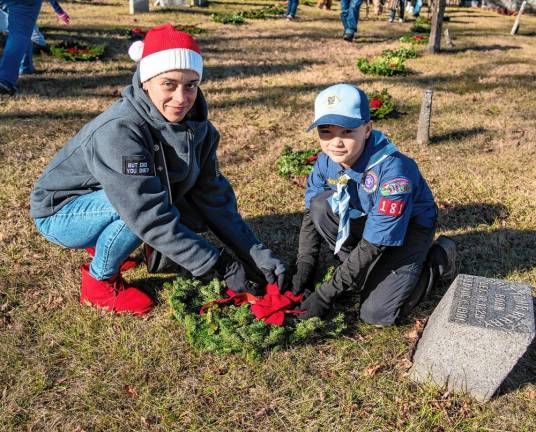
x: 515, y: 28
x: 434, y: 43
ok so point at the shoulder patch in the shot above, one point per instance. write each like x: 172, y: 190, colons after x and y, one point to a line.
x: 396, y: 186
x: 389, y: 207
x: 136, y: 165
x: 370, y: 181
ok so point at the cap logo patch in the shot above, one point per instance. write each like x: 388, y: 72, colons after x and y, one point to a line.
x: 332, y: 101
x: 370, y: 182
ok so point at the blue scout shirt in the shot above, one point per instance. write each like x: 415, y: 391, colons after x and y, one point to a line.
x: 385, y: 186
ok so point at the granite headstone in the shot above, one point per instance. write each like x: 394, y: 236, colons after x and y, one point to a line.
x: 136, y: 6
x: 476, y: 335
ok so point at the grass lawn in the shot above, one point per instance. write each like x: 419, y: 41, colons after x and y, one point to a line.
x: 64, y: 367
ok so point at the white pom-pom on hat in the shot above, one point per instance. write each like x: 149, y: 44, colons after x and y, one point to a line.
x: 136, y: 51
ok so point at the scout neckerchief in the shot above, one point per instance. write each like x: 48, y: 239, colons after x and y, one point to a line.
x: 340, y: 200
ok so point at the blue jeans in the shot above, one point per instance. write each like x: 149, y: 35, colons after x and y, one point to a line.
x: 417, y: 7
x: 292, y: 7
x: 401, y: 5
x: 91, y: 221
x: 22, y: 17
x: 350, y: 15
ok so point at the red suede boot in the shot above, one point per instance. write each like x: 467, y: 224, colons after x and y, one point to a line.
x: 116, y: 295
x: 126, y: 265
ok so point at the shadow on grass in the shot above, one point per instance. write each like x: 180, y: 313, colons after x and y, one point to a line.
x: 47, y: 115
x: 457, y: 135
x: 497, y: 253
x: 187, y: 11
x: 481, y: 48
x: 215, y: 73
x: 272, y: 95
x: 471, y: 215
x: 475, y: 79
x: 524, y: 371
x: 76, y: 85
x: 239, y: 3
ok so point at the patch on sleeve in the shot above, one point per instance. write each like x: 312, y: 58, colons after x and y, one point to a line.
x: 136, y: 165
x: 370, y: 182
x: 389, y: 207
x: 396, y: 186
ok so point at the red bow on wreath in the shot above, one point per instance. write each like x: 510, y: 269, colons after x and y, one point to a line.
x: 271, y: 307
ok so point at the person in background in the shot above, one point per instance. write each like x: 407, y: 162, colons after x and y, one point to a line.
x: 146, y: 170
x: 292, y: 7
x: 27, y: 67
x: 324, y: 4
x: 378, y: 7
x: 417, y: 6
x: 350, y: 18
x: 394, y: 4
x: 22, y: 17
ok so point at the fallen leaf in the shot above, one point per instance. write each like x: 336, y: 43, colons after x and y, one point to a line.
x: 532, y: 394
x: 148, y: 421
x: 261, y: 412
x: 131, y: 391
x: 371, y: 371
x: 405, y: 363
x: 416, y: 330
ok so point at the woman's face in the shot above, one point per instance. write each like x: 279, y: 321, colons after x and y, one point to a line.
x: 173, y: 93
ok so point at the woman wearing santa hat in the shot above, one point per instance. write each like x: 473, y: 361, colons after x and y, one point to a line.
x: 146, y: 170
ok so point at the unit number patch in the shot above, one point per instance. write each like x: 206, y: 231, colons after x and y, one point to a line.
x: 389, y: 207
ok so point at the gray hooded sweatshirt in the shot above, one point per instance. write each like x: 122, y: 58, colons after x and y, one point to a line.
x: 116, y: 152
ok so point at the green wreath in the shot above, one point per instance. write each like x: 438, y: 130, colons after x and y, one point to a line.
x: 76, y: 51
x: 232, y: 329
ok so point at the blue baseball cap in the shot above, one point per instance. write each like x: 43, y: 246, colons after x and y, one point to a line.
x: 341, y: 105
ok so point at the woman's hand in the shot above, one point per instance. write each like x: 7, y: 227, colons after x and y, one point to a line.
x: 271, y: 267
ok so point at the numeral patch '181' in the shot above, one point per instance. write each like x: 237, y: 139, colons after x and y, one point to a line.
x: 389, y: 207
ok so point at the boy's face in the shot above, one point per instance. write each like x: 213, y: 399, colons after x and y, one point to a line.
x: 343, y: 145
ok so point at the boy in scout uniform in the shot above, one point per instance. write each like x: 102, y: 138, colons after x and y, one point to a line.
x: 374, y: 209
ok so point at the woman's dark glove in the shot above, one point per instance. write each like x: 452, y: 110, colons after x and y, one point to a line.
x: 314, y: 306
x: 271, y: 267
x: 232, y: 272
x: 302, y: 277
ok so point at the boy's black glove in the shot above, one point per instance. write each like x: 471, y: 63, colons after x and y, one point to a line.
x: 349, y: 274
x: 314, y: 305
x: 232, y: 272
x: 302, y: 277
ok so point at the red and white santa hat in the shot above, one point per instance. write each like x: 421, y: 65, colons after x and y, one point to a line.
x: 165, y: 49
